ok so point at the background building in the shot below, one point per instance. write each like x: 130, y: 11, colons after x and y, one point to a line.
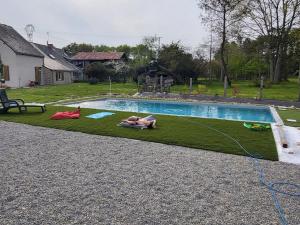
x: 82, y: 59
x: 56, y: 68
x: 21, y: 61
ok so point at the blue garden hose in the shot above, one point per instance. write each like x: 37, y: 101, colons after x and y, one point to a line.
x: 273, y: 187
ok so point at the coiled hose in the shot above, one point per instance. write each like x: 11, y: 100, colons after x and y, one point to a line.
x: 271, y: 186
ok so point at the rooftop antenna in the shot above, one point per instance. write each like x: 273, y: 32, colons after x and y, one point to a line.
x: 48, y: 35
x: 29, y: 28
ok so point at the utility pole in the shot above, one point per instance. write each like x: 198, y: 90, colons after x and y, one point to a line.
x: 157, y: 39
x: 159, y: 43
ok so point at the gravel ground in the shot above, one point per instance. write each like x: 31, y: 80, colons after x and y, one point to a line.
x: 51, y: 176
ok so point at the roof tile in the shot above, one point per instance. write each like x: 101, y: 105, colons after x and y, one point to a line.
x: 16, y: 42
x: 55, y: 58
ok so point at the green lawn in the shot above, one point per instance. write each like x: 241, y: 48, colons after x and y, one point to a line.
x: 288, y: 90
x: 290, y: 114
x: 284, y: 91
x: 54, y: 93
x: 170, y: 130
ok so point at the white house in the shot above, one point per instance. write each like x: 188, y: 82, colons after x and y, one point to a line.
x: 21, y: 62
x: 56, y: 68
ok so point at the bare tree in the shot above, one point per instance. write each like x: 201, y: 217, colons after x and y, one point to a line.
x: 153, y: 43
x: 274, y: 19
x: 206, y: 51
x: 223, y: 16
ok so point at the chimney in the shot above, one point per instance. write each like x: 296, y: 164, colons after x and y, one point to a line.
x: 50, y: 46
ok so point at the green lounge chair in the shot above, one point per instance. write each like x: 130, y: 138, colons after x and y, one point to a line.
x: 8, y: 104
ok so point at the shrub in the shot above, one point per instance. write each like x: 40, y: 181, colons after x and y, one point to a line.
x: 97, y: 70
x: 201, y: 89
x: 93, y: 80
x: 80, y: 81
x: 235, y: 90
x: 185, y: 89
x: 195, y: 92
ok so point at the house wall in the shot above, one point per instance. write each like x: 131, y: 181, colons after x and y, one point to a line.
x: 67, y: 78
x: 47, y: 76
x: 26, y: 69
x: 77, y: 76
x: 21, y: 67
x: 8, y: 57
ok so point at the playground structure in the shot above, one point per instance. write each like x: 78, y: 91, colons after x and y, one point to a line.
x: 155, y: 78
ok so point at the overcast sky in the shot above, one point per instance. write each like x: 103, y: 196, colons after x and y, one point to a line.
x: 110, y: 22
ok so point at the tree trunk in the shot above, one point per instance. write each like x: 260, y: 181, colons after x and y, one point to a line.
x: 277, y: 72
x: 223, y: 62
x: 271, y: 69
x: 285, y: 63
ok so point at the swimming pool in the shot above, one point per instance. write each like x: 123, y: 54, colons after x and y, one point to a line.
x: 202, y: 110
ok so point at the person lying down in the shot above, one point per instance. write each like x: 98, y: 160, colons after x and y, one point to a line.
x: 148, y: 121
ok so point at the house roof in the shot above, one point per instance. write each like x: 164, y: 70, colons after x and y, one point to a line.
x: 16, y: 42
x: 98, y: 56
x: 55, y: 58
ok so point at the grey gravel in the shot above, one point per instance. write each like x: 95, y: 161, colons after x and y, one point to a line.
x: 51, y: 176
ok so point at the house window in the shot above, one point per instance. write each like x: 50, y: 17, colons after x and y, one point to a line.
x: 60, y: 76
x: 6, y: 73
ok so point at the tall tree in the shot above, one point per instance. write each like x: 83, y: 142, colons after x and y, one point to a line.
x: 152, y: 43
x: 178, y: 61
x: 274, y: 19
x: 124, y: 48
x: 223, y: 15
x: 141, y: 55
x: 98, y: 71
x: 293, y: 52
x: 74, y: 48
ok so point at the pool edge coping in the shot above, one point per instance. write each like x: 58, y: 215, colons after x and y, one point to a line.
x: 278, y: 134
x: 244, y: 105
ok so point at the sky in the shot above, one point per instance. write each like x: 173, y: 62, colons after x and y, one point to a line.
x: 109, y: 22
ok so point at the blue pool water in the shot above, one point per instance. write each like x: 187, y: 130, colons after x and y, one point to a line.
x: 203, y: 110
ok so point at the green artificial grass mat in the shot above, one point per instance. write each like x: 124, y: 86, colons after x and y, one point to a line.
x: 173, y: 130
